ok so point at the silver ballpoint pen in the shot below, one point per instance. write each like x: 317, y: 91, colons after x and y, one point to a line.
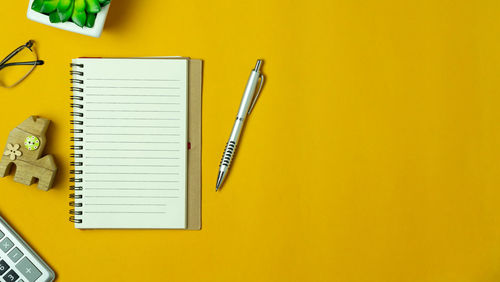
x: 247, y: 103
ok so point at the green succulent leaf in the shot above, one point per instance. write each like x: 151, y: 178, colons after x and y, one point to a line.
x: 104, y: 2
x: 90, y: 20
x: 65, y: 15
x: 79, y: 18
x: 93, y: 6
x: 37, y: 5
x: 54, y: 17
x: 64, y: 5
x: 45, y: 6
x: 81, y: 12
x: 80, y: 5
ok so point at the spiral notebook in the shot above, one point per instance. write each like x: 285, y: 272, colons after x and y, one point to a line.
x: 137, y: 143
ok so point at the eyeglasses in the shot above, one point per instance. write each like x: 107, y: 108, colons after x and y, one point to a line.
x: 23, y: 61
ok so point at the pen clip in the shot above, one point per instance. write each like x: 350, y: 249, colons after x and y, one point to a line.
x: 257, y: 95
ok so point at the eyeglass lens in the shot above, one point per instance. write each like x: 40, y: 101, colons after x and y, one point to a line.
x: 18, y: 65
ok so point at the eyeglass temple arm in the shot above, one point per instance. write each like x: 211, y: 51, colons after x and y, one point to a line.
x: 12, y: 54
x: 37, y: 63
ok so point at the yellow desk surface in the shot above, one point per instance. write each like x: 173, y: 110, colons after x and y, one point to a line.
x: 372, y: 155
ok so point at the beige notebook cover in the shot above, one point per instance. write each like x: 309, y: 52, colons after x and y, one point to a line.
x: 194, y: 153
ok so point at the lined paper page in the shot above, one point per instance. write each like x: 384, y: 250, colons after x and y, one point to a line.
x: 135, y: 139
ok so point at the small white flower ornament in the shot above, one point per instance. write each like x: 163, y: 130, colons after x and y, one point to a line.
x: 13, y: 151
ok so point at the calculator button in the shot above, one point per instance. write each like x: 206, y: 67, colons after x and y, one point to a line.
x: 11, y: 276
x: 15, y: 254
x: 1, y: 234
x: 6, y: 245
x: 28, y: 270
x: 3, y: 267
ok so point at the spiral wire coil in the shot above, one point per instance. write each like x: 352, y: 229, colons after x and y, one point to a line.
x: 76, y: 70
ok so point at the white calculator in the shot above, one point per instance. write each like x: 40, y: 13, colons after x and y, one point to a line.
x: 18, y: 262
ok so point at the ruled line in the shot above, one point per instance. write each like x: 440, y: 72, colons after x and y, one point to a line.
x: 129, y: 103
x: 157, y: 205
x: 131, y: 142
x: 135, y: 165
x: 133, y: 111
x: 134, y: 79
x: 128, y: 95
x: 133, y: 150
x: 133, y: 189
x: 134, y: 118
x: 138, y: 197
x: 131, y: 87
x: 139, y: 173
x: 127, y: 181
x: 132, y: 126
x: 122, y: 212
x: 138, y: 158
x: 138, y: 134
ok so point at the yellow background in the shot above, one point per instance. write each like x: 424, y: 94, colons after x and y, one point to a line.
x: 372, y: 154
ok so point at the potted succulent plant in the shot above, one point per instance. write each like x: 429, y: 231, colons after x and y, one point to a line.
x: 81, y: 16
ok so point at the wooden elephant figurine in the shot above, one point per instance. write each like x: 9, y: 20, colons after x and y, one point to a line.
x: 24, y: 149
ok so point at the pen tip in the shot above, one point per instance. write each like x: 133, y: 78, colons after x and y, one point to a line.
x: 220, y: 177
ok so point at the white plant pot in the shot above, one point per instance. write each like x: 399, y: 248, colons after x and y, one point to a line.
x: 70, y: 26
